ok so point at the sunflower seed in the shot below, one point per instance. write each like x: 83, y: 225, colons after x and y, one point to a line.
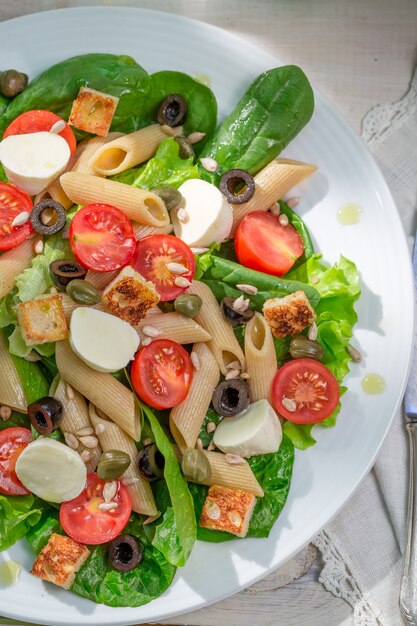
x: 195, y: 361
x: 71, y: 441
x: 275, y: 209
x: 199, y: 250
x: 211, y: 427
x: 283, y: 220
x: 151, y: 331
x: 5, y: 412
x: 83, y: 432
x: 86, y: 456
x: 69, y: 391
x: 89, y: 441
x: 354, y: 353
x: 199, y: 444
x: 168, y: 130
x: 151, y: 519
x: 100, y: 428
x: 234, y: 459
x: 241, y: 304
x: 177, y: 268
x: 249, y: 289
x: 32, y: 357
x: 292, y: 202
x: 53, y: 291
x: 107, y: 506
x: 289, y: 404
x: 181, y: 281
x: 147, y: 441
x: 209, y: 164
x: 233, y: 365
x: 146, y: 341
x: 232, y: 374
x: 38, y: 246
x: 110, y: 490
x: 20, y: 219
x: 313, y: 331
x: 57, y: 127
x: 235, y: 518
x: 168, y: 350
x: 245, y: 376
x: 212, y: 509
x: 211, y: 446
x: 195, y: 137
x: 183, y: 216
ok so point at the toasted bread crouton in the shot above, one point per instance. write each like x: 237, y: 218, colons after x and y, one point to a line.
x: 227, y: 509
x: 289, y: 315
x: 60, y: 560
x: 130, y: 296
x: 42, y: 320
x: 93, y: 111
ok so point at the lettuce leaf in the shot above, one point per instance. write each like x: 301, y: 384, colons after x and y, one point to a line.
x: 17, y: 514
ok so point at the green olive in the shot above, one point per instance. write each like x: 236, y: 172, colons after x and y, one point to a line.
x: 185, y: 148
x: 83, y: 292
x: 188, y: 305
x: 301, y: 347
x: 12, y: 82
x: 196, y: 466
x: 170, y: 196
x: 112, y: 464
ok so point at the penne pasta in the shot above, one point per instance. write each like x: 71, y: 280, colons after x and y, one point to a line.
x: 128, y: 151
x: 138, y: 205
x: 13, y: 262
x: 107, y: 393
x: 112, y: 437
x: 271, y: 183
x: 234, y: 476
x: 223, y: 344
x: 144, y: 231
x: 176, y: 327
x: 84, y: 164
x: 75, y: 418
x: 11, y: 392
x: 261, y: 360
x: 188, y: 416
x: 100, y: 279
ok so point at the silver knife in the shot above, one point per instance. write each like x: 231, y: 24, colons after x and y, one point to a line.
x: 408, y: 592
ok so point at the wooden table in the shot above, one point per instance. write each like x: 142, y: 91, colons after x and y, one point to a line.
x: 359, y: 53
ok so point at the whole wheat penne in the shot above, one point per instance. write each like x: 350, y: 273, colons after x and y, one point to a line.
x: 100, y: 279
x: 75, y: 418
x: 102, y: 389
x: 261, y: 360
x: 235, y: 476
x: 11, y: 392
x: 12, y: 263
x: 144, y: 231
x: 128, y: 151
x: 176, y: 327
x: 188, y: 416
x: 223, y: 343
x: 138, y: 205
x: 271, y: 183
x: 112, y: 437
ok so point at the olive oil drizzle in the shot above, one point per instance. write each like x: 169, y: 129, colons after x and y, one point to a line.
x: 373, y: 384
x: 349, y: 214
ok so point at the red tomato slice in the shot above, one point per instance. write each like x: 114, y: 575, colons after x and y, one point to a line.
x: 37, y: 121
x: 102, y: 237
x: 311, y: 386
x: 263, y: 244
x: 162, y: 373
x: 151, y: 258
x: 12, y: 442
x: 84, y: 521
x: 12, y: 202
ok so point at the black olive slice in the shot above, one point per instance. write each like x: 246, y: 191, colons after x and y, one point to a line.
x: 57, y: 219
x: 233, y: 316
x: 151, y: 462
x: 45, y: 415
x: 231, y: 397
x: 125, y: 553
x: 65, y: 270
x: 238, y: 186
x: 172, y: 110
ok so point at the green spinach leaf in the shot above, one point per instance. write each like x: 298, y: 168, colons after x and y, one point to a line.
x: 17, y: 514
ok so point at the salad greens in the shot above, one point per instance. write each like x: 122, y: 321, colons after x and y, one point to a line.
x: 17, y: 515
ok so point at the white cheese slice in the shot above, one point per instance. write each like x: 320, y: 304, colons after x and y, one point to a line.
x: 32, y: 161
x: 51, y: 470
x: 257, y: 430
x: 208, y: 216
x: 103, y: 341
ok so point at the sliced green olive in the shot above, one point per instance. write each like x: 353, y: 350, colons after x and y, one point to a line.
x: 46, y: 414
x: 196, y: 466
x: 151, y: 462
x: 48, y: 217
x: 64, y: 271
x: 186, y: 150
x: 12, y: 83
x: 170, y: 196
x: 83, y: 292
x: 237, y: 185
x: 125, y: 553
x: 172, y: 110
x: 112, y: 464
x: 231, y: 397
x: 188, y: 305
x: 233, y: 316
x: 302, y: 347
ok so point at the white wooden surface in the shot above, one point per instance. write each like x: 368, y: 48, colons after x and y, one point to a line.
x: 359, y: 53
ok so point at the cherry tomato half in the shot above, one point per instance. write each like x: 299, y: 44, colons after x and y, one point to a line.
x: 311, y: 386
x: 102, y: 237
x: 162, y: 373
x: 12, y: 202
x: 37, y: 121
x: 12, y: 443
x: 152, y: 255
x: 84, y: 520
x: 263, y: 244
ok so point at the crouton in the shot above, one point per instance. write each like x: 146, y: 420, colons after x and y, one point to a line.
x: 93, y: 111
x: 289, y: 315
x: 227, y: 509
x: 60, y: 560
x: 130, y: 296
x: 42, y: 320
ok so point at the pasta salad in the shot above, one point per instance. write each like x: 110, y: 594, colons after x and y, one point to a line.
x: 168, y: 334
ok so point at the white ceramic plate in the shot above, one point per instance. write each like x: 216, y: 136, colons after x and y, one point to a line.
x: 325, y: 475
